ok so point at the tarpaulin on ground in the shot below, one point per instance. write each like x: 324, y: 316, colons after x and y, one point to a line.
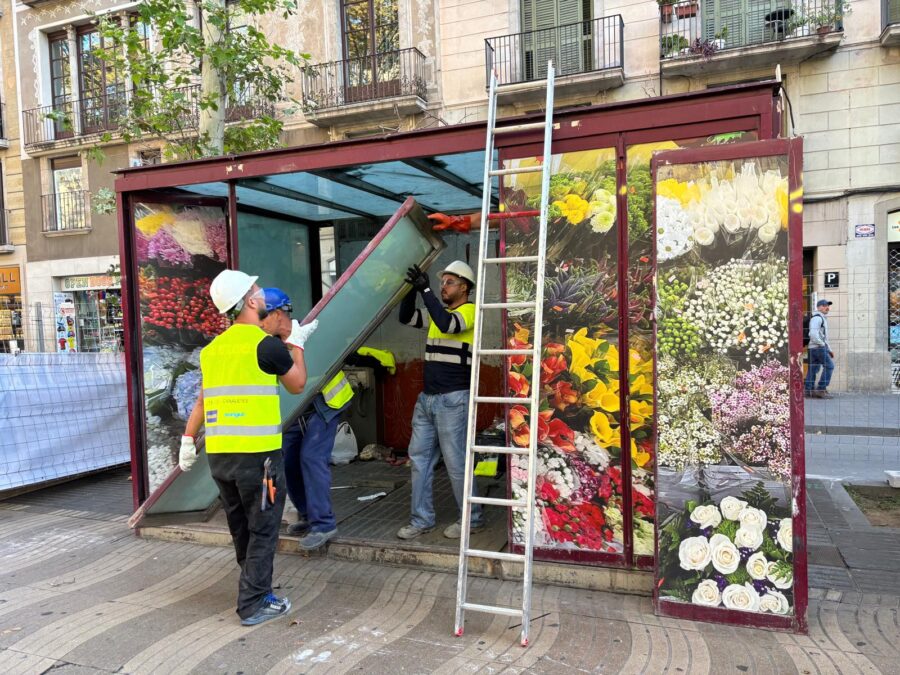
x: 60, y: 415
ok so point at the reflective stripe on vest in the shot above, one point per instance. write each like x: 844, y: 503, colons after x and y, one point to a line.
x: 338, y: 392
x: 240, y: 402
x: 453, y: 348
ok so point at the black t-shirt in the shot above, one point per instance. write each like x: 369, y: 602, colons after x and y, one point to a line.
x: 273, y: 357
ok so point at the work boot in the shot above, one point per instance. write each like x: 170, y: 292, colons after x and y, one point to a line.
x: 823, y: 393
x: 272, y: 608
x: 454, y: 531
x: 299, y: 528
x: 314, y: 540
x: 411, y: 531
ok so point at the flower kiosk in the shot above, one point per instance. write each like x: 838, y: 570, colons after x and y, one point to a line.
x: 670, y: 432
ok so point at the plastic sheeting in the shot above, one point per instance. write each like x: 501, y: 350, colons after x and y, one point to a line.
x: 60, y: 415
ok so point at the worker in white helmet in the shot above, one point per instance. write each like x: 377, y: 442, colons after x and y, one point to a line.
x: 239, y: 406
x: 442, y: 409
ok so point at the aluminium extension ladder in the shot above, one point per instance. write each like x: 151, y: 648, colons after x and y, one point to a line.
x: 465, y: 552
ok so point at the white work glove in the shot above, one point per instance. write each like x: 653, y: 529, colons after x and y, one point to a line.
x: 300, y: 334
x: 188, y: 453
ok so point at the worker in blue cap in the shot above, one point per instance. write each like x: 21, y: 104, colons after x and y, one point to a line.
x: 308, y: 442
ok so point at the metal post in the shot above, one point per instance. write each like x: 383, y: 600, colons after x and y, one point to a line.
x: 39, y: 325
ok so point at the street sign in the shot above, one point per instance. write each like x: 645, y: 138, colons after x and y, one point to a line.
x: 832, y: 279
x: 865, y: 231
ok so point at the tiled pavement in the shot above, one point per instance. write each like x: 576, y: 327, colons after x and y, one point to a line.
x: 80, y: 594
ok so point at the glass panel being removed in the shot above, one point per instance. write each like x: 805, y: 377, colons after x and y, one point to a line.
x: 349, y: 312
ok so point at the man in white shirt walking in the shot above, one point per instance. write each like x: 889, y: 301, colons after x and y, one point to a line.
x: 821, y: 357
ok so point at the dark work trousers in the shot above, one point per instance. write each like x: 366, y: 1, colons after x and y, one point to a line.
x: 307, y: 457
x: 254, y: 532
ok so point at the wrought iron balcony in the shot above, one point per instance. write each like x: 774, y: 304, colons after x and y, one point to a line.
x: 387, y: 75
x: 890, y: 22
x: 708, y: 34
x: 66, y: 211
x: 74, y: 121
x: 579, y: 48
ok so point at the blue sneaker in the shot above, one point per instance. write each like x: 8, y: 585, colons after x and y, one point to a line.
x: 314, y: 540
x: 272, y: 608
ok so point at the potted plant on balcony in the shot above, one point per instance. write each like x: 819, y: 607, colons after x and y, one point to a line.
x: 672, y: 45
x: 685, y: 10
x: 666, y: 10
x: 829, y: 16
x: 721, y: 36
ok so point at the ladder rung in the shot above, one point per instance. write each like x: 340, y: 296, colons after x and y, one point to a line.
x: 516, y: 128
x: 509, y: 305
x: 511, y: 259
x: 517, y: 169
x: 500, y: 450
x: 497, y: 501
x: 508, y: 400
x: 490, y: 609
x: 506, y: 352
x: 495, y: 555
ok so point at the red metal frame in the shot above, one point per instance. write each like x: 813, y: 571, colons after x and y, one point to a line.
x: 793, y: 150
x: 748, y: 107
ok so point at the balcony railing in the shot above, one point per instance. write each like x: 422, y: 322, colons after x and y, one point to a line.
x: 5, y: 238
x: 890, y: 13
x: 371, y: 78
x: 91, y: 116
x: 705, y: 28
x: 575, y: 48
x: 66, y: 211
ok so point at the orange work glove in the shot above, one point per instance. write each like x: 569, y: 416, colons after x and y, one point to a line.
x: 444, y: 222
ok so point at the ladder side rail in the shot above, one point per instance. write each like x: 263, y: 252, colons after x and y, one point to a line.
x: 469, y: 477
x: 536, y: 358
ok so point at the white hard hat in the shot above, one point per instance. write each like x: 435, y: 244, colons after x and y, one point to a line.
x: 229, y: 287
x: 460, y: 269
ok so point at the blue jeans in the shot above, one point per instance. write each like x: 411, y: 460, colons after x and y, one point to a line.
x: 819, y: 359
x: 307, y: 454
x: 439, y: 419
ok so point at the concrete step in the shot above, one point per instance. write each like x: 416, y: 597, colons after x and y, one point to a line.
x: 434, y: 558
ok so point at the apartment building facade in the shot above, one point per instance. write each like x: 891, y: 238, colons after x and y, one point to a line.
x: 382, y: 66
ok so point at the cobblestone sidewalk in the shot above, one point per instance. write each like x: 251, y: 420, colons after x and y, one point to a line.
x: 80, y: 594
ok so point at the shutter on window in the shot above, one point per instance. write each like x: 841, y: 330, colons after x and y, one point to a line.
x: 719, y: 14
x: 571, y: 37
x: 539, y: 18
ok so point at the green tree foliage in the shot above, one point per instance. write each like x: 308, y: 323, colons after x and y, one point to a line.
x: 228, y: 56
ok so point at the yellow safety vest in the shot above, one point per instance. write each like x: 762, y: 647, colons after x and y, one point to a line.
x: 240, y: 401
x: 455, y: 348
x: 338, y: 392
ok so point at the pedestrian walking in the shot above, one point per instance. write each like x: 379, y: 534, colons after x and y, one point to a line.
x: 441, y: 412
x: 308, y: 442
x: 239, y: 407
x: 821, y: 356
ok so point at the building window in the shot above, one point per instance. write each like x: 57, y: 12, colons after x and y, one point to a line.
x: 553, y: 33
x: 65, y: 206
x: 102, y: 86
x: 149, y: 157
x: 371, y: 42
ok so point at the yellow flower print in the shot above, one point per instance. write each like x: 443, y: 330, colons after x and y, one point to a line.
x: 781, y: 198
x: 602, y: 396
x: 640, y: 411
x: 639, y: 456
x: 642, y: 386
x: 685, y: 193
x: 152, y: 223
x: 604, y: 433
x: 582, y: 349
x: 573, y: 208
x: 638, y: 364
x: 612, y: 358
x: 522, y: 334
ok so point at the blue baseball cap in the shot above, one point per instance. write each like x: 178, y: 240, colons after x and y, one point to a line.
x: 821, y: 303
x: 277, y: 299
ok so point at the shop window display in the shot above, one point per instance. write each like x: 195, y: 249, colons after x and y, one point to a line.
x: 11, y: 330
x: 178, y: 250
x: 725, y: 442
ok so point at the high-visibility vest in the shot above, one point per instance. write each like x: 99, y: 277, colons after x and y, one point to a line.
x: 240, y: 401
x: 338, y: 392
x: 455, y: 348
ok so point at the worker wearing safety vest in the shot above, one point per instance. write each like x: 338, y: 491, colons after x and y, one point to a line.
x: 308, y: 442
x: 238, y: 404
x: 442, y: 409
